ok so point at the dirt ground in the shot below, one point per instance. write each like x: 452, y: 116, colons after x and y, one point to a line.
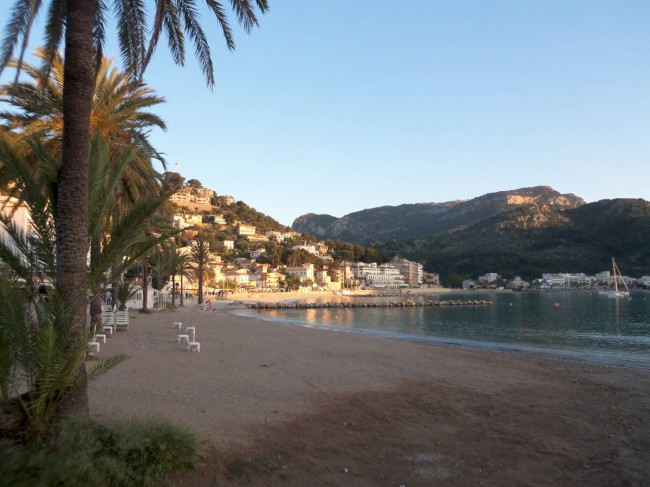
x: 287, y: 406
x: 579, y: 428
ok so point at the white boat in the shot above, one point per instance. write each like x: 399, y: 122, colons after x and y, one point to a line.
x: 616, y: 292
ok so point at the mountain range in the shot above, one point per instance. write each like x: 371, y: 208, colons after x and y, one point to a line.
x: 520, y: 232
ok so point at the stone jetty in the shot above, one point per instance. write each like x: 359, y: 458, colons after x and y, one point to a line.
x: 351, y: 304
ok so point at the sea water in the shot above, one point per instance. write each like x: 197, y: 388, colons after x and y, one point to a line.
x: 571, y: 324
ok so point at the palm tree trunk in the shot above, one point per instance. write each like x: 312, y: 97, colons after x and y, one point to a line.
x: 182, y: 290
x: 200, y: 279
x: 173, y: 291
x: 145, y: 284
x: 72, y: 191
x: 114, y: 288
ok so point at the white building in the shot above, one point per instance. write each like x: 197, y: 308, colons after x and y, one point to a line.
x: 278, y: 236
x: 239, y: 276
x: 304, y: 272
x: 246, y: 229
x: 310, y: 249
x: 490, y: 277
x: 384, y: 276
x: 566, y: 280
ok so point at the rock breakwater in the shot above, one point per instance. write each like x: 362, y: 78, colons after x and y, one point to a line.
x: 348, y: 304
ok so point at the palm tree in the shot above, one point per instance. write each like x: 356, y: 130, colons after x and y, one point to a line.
x: 42, y: 360
x: 201, y: 256
x: 177, y: 264
x: 184, y: 270
x: 120, y: 113
x: 81, y: 25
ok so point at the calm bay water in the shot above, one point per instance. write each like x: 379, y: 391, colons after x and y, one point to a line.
x: 584, y: 325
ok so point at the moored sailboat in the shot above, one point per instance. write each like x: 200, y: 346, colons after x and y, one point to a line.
x: 616, y: 292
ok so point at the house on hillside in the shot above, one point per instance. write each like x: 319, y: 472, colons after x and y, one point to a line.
x: 239, y: 276
x: 246, y: 229
x: 304, y: 272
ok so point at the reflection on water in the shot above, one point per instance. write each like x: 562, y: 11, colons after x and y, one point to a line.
x: 572, y: 323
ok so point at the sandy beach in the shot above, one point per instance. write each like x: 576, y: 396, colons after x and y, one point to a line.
x: 286, y: 405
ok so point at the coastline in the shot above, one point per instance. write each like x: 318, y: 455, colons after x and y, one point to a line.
x: 258, y: 387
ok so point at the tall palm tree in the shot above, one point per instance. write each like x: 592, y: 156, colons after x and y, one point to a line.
x: 184, y: 270
x: 177, y: 264
x: 81, y: 25
x: 200, y: 256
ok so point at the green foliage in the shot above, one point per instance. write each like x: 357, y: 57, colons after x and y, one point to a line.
x: 39, y: 355
x: 133, y: 452
x: 242, y: 212
x: 125, y: 290
x: 453, y: 280
x: 292, y: 283
x: 346, y: 251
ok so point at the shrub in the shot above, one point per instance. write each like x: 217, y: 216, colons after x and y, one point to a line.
x: 124, y: 452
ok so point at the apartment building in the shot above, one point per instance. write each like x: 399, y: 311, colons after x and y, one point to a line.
x: 412, y: 271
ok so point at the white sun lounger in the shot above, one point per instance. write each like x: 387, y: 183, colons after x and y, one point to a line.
x: 121, y: 320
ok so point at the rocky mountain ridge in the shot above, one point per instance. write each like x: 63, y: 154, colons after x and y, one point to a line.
x: 388, y: 223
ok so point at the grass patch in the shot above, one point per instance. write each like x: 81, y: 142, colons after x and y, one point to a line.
x: 132, y: 452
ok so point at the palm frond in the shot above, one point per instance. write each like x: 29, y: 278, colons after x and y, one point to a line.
x: 245, y: 14
x: 99, y: 31
x: 126, y: 233
x: 19, y: 26
x: 103, y: 366
x: 174, y: 30
x: 54, y: 31
x: 222, y: 20
x: 189, y: 14
x: 131, y: 19
x: 158, y: 20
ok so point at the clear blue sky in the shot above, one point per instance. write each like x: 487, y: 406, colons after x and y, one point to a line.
x: 334, y: 107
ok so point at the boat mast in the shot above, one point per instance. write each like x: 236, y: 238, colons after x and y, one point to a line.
x: 617, y: 270
x: 615, y: 277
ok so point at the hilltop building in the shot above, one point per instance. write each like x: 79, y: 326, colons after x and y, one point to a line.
x: 194, y: 198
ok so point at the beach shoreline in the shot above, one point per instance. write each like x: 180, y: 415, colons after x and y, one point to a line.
x: 257, y: 388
